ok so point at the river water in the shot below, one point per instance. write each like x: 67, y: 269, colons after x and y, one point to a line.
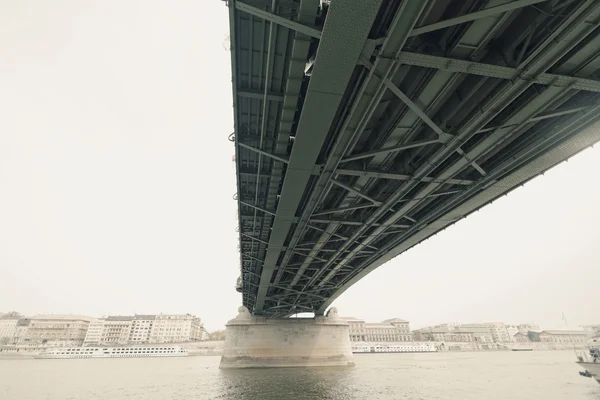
x: 466, y: 376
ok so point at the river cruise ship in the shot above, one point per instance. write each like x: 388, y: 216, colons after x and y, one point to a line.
x: 363, y: 347
x: 157, y: 350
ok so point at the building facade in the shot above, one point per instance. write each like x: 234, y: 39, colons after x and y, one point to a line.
x: 57, y: 330
x: 141, y: 329
x: 512, y: 330
x: 443, y: 334
x: 8, y: 326
x: 169, y: 328
x: 521, y: 338
x: 489, y: 332
x: 390, y: 330
x: 94, y: 332
x: 563, y: 336
x: 116, y: 330
x: 592, y: 330
x: 524, y: 328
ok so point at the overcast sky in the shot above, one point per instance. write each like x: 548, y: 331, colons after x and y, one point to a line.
x: 116, y: 184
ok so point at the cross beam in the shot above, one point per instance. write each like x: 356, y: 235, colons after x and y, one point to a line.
x: 398, y: 177
x: 473, y: 16
x: 495, y: 71
x: 277, y: 19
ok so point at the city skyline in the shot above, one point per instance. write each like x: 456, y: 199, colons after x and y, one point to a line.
x: 348, y: 317
x: 119, y: 188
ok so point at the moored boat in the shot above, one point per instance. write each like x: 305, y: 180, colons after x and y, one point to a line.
x: 590, y: 360
x: 363, y: 347
x: 157, y: 350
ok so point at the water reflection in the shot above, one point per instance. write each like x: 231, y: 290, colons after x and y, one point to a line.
x: 284, y: 383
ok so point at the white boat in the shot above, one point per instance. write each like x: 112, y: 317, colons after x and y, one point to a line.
x: 590, y: 360
x: 114, y: 352
x: 362, y: 347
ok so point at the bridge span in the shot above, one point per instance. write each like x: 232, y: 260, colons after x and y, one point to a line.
x: 364, y: 127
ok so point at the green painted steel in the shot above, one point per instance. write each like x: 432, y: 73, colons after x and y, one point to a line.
x: 357, y: 135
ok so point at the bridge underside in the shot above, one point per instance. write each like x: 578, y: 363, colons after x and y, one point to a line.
x: 364, y: 127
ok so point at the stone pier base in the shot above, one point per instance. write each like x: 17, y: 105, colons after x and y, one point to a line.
x: 254, y: 342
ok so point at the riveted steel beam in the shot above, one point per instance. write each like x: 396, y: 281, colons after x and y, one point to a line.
x: 398, y: 177
x: 356, y: 192
x: 347, y: 221
x: 264, y: 153
x: 369, y: 95
x: 474, y: 16
x: 387, y: 150
x: 405, y: 99
x: 256, y: 94
x: 495, y: 71
x: 332, y: 72
x: 572, y: 30
x: 343, y: 209
x: 277, y: 19
x: 257, y: 208
x: 539, y: 117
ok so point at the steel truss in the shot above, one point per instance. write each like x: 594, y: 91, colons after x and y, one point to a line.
x: 390, y: 144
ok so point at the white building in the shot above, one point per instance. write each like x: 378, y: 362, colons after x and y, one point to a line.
x: 170, y: 328
x: 94, y: 332
x: 512, y: 331
x: 21, y: 331
x: 444, y: 333
x: 8, y: 326
x: 554, y: 336
x: 116, y: 330
x: 390, y: 330
x: 488, y: 332
x: 499, y: 332
x: 57, y: 330
x: 141, y: 328
x: 138, y: 329
x: 525, y: 328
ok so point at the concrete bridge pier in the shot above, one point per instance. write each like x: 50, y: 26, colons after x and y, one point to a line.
x: 259, y: 342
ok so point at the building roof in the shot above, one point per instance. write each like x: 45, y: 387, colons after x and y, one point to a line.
x: 119, y: 318
x: 379, y: 324
x: 8, y: 316
x: 68, y: 317
x: 142, y: 316
x: 395, y: 320
x: 353, y: 319
x: 558, y: 332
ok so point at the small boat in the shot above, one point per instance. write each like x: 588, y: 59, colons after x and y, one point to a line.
x: 522, y: 349
x: 590, y: 360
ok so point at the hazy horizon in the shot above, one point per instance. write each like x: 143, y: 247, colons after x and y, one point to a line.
x: 118, y: 179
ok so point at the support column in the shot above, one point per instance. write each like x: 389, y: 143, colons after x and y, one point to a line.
x: 258, y: 342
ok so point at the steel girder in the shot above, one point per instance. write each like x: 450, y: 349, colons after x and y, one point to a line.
x: 488, y: 11
x: 245, y: 27
x: 556, y: 45
x: 495, y: 71
x: 364, y: 106
x: 362, y: 206
x: 348, y: 23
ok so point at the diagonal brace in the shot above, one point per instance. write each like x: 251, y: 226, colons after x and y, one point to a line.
x: 473, y: 16
x: 274, y: 18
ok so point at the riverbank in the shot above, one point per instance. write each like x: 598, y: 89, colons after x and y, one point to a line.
x: 207, y: 348
x: 215, y: 348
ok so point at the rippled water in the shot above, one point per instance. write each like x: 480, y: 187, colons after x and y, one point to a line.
x: 465, y: 376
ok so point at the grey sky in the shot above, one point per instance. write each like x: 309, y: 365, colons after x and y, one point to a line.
x: 117, y: 178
